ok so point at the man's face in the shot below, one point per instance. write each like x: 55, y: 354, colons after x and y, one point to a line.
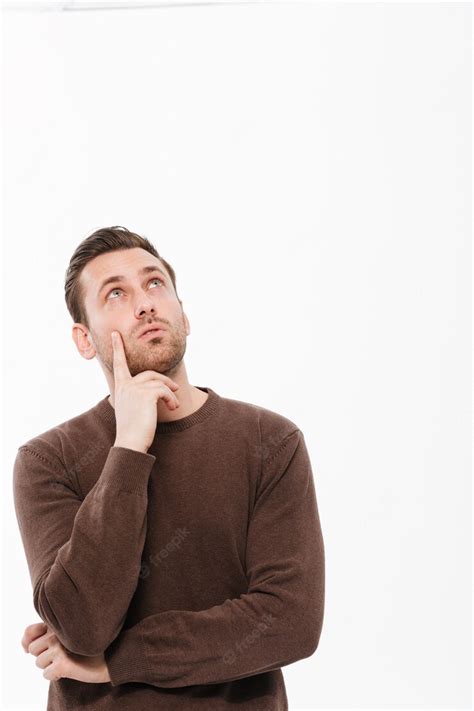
x: 128, y: 305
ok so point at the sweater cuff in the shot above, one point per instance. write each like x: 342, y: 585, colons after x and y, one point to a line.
x: 127, y: 470
x: 126, y: 659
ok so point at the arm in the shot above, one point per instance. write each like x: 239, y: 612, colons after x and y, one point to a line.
x: 275, y: 623
x: 83, y: 556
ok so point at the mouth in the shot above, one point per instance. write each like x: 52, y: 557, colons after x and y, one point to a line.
x: 153, y: 333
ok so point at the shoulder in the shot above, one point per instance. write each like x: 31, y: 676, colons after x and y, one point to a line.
x: 274, y: 429
x: 61, y: 443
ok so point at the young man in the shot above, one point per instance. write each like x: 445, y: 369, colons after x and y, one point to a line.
x: 172, y: 535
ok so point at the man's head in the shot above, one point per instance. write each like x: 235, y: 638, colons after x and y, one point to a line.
x: 144, y: 293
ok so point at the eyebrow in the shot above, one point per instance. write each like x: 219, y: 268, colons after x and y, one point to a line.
x: 119, y: 277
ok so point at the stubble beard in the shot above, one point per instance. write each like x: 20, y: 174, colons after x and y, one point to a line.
x: 162, y: 353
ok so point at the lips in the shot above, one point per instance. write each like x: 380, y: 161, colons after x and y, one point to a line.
x: 151, y: 333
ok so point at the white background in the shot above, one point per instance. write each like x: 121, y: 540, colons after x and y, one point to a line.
x: 305, y: 168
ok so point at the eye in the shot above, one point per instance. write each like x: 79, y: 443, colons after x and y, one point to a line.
x: 157, y: 279
x: 154, y: 279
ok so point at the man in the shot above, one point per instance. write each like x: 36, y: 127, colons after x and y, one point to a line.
x: 172, y: 535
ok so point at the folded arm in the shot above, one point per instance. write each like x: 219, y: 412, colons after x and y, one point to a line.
x: 279, y: 619
x: 83, y: 555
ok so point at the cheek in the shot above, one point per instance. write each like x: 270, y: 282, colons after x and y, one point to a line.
x: 160, y: 296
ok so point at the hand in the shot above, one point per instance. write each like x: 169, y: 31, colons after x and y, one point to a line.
x: 136, y: 398
x: 58, y: 662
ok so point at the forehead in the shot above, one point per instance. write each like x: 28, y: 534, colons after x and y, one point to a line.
x: 126, y: 262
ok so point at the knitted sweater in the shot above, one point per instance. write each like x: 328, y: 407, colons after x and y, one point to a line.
x: 196, y: 568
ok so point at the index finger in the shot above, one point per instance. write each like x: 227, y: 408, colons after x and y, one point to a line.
x: 121, y: 370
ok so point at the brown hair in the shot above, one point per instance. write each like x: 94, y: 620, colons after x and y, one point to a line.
x: 105, y: 239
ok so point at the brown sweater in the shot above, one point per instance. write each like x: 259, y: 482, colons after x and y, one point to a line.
x: 197, y: 568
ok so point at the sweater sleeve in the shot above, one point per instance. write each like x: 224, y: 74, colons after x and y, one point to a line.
x: 277, y: 622
x: 83, y: 554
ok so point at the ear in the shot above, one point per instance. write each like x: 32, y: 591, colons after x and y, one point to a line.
x: 83, y: 341
x: 187, y: 325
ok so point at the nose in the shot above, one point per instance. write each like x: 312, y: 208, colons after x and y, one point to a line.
x: 146, y: 308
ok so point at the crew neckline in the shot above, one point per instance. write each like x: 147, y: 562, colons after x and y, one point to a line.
x: 209, y: 406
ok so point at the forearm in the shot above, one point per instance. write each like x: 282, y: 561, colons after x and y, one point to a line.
x: 84, y: 593
x: 250, y: 635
